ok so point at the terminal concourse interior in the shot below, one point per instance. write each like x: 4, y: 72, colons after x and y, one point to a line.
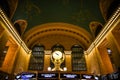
x: 59, y: 38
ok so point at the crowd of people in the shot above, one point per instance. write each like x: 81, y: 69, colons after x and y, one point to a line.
x: 111, y: 76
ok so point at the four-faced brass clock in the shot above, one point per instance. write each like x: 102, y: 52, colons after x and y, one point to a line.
x: 57, y: 58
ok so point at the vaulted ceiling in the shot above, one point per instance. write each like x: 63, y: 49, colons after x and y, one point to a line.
x: 49, y: 22
x: 76, y: 12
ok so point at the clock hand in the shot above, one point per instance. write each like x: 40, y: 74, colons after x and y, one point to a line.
x: 57, y: 54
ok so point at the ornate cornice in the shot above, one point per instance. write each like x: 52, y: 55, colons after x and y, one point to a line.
x: 5, y: 22
x: 109, y: 26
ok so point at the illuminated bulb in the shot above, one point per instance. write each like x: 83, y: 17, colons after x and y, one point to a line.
x: 49, y: 68
x: 65, y: 69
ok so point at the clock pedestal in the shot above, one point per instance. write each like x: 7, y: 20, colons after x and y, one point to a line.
x: 57, y: 64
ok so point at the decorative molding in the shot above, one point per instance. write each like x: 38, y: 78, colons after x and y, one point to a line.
x: 39, y: 32
x: 10, y: 29
x: 109, y: 26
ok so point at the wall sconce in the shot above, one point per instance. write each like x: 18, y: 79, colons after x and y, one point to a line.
x: 109, y: 51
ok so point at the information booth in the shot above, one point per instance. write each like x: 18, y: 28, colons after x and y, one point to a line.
x: 54, y: 76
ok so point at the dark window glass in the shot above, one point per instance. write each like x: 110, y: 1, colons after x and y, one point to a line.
x: 78, y: 59
x: 37, y: 58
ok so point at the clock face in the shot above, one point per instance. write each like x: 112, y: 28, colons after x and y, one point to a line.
x: 57, y: 55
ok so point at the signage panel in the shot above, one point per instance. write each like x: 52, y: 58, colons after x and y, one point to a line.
x: 87, y: 76
x: 26, y: 75
x: 69, y: 76
x: 48, y: 75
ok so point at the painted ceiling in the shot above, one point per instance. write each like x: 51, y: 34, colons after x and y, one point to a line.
x: 76, y: 12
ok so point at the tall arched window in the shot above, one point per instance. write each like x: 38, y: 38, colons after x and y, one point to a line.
x: 78, y: 59
x: 37, y: 58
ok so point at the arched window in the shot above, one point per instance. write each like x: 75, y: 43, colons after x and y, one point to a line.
x: 78, y: 59
x: 37, y: 58
x: 98, y: 29
x: 17, y: 27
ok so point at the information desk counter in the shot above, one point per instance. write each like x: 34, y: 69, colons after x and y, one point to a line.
x: 54, y: 76
x: 63, y: 76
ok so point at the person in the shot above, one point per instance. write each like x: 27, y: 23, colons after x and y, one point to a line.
x: 118, y: 73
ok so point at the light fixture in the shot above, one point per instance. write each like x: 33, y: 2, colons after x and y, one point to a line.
x: 65, y: 69
x: 49, y: 68
x: 109, y: 50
